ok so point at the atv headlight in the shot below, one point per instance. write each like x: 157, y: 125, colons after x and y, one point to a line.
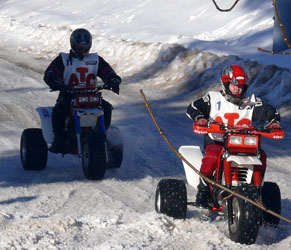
x: 83, y: 99
x: 251, y: 140
x: 235, y: 140
x: 94, y: 99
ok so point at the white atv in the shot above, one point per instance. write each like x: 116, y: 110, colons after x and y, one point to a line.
x: 85, y: 136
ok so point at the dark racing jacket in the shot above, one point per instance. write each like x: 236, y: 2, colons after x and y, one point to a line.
x: 216, y: 106
x: 55, y: 73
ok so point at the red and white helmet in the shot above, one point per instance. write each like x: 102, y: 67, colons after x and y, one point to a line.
x: 236, y: 75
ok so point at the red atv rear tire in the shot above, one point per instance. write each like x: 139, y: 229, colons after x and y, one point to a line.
x: 171, y: 198
x: 271, y: 197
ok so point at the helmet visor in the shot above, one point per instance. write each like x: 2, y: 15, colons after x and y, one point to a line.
x: 81, y: 47
x: 81, y: 51
x: 239, y: 80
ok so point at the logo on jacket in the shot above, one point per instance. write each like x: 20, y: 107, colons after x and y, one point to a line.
x: 233, y: 119
x: 82, y: 76
x: 45, y: 112
x: 91, y: 62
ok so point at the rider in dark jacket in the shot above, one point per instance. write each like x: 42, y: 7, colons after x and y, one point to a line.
x: 74, y: 68
x: 228, y: 106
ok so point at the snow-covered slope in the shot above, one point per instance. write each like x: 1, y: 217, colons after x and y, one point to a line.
x: 192, y: 23
x: 59, y: 209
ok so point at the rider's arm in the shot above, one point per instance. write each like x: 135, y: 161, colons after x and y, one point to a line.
x: 106, y: 72
x: 264, y: 112
x: 53, y: 75
x: 108, y: 75
x: 199, y: 109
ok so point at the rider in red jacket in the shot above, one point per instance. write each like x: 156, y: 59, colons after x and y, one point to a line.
x: 231, y: 107
x: 78, y: 67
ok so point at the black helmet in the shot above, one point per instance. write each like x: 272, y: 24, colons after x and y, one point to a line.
x: 81, y: 41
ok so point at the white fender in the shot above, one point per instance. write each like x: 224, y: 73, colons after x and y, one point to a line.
x: 45, y: 114
x: 194, y: 155
x: 244, y: 160
x: 88, y: 117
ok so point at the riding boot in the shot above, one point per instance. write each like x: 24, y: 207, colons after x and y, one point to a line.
x: 58, y: 123
x: 203, y: 194
x: 58, y: 145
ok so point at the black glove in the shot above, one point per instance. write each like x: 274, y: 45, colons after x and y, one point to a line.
x: 113, y: 84
x: 52, y: 80
x: 55, y: 85
x: 59, y: 86
x: 64, y: 87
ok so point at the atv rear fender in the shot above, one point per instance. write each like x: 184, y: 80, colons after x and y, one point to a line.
x: 45, y: 114
x: 194, y: 155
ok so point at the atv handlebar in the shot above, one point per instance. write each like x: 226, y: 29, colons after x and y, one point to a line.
x: 221, y: 128
x: 81, y: 89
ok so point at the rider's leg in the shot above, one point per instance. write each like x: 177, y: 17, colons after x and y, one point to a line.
x: 203, y: 194
x: 107, y: 109
x: 209, y: 164
x: 263, y: 158
x: 60, y: 112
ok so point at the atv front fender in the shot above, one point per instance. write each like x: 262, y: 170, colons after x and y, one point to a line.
x: 244, y: 160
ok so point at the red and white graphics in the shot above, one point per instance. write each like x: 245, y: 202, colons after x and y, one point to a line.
x: 80, y: 73
x: 228, y: 113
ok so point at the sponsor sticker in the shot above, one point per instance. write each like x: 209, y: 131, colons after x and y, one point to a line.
x: 91, y: 62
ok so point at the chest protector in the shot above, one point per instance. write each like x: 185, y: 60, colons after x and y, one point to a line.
x: 226, y: 112
x: 80, y: 73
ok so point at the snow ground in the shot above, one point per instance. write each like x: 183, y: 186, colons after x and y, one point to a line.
x: 59, y: 209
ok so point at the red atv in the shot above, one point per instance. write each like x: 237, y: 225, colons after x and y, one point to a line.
x: 85, y: 136
x: 239, y: 169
